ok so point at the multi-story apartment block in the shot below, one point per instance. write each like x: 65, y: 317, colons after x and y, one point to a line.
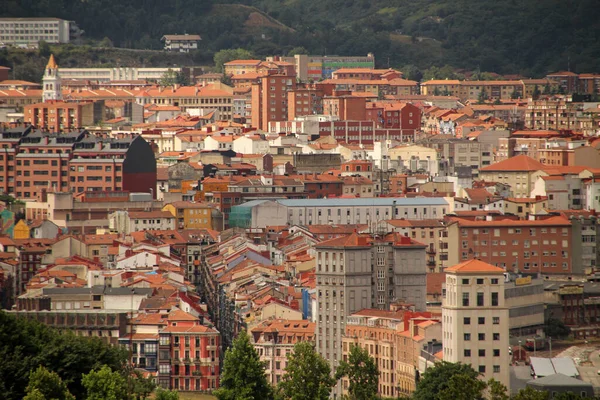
x: 315, y: 68
x: 132, y: 221
x: 471, y: 90
x: 274, y: 340
x: 363, y: 271
x: 552, y: 114
x: 531, y: 246
x: 475, y: 319
x: 432, y: 233
x: 270, y: 99
x: 520, y: 172
x: 30, y: 31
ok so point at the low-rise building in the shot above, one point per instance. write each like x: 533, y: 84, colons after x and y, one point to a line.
x: 134, y: 221
x: 181, y: 43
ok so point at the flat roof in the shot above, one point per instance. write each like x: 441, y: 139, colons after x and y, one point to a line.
x: 542, y: 366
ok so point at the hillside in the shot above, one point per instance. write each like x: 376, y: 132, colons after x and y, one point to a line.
x: 510, y: 36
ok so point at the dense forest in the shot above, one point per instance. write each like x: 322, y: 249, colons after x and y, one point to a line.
x: 509, y: 37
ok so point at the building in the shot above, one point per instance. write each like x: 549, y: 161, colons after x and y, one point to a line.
x: 360, y: 271
x: 475, y: 319
x: 104, y: 75
x: 270, y: 99
x: 394, y: 339
x: 192, y: 215
x: 530, y: 246
x: 135, y: 221
x: 274, y: 340
x: 315, y: 68
x: 181, y: 43
x: 30, y: 31
x: 240, y: 67
x: 560, y: 384
x: 51, y: 81
x: 519, y: 172
x: 60, y: 116
x: 369, y: 211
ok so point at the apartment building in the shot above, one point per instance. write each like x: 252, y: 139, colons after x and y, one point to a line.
x: 315, y: 68
x: 475, y: 319
x: 519, y: 172
x: 394, y: 339
x: 192, y: 215
x: 274, y: 340
x: 362, y: 271
x: 30, y: 31
x: 521, y: 246
x: 181, y: 43
x: 270, y: 99
x: 116, y: 74
x: 473, y: 90
x: 552, y: 114
x: 62, y: 116
x: 135, y: 221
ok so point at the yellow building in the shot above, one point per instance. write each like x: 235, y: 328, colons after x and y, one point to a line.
x: 192, y: 215
x: 238, y: 67
x: 21, y: 230
x: 415, y: 158
x: 524, y: 207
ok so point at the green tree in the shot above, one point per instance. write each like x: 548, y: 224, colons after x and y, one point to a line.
x: 556, y: 328
x: 170, y: 78
x: 437, y: 379
x: 224, y: 56
x: 568, y: 396
x: 482, y: 97
x: 44, y: 49
x: 142, y: 387
x: 164, y: 394
x: 106, y: 42
x: 530, y: 394
x: 362, y: 374
x: 462, y: 387
x: 48, y: 385
x: 105, y: 384
x: 243, y: 376
x: 298, y: 50
x: 497, y: 391
x: 307, y: 375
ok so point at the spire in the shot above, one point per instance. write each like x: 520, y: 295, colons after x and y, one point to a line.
x: 52, y: 62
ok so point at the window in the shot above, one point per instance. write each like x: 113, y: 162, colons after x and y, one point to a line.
x: 496, y: 320
x: 496, y: 336
x: 481, y: 336
x: 467, y: 353
x: 481, y: 352
x: 482, y: 369
x: 496, y: 352
x: 465, y: 281
x: 467, y: 320
x: 480, y: 299
x: 465, y: 299
x: 480, y: 281
x: 494, y: 281
x: 494, y: 299
x: 496, y: 368
x: 481, y: 320
x: 467, y: 337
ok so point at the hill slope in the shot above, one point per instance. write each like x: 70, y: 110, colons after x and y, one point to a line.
x: 509, y: 36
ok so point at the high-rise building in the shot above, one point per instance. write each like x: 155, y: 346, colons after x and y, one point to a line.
x: 475, y: 319
x: 30, y: 31
x: 360, y: 271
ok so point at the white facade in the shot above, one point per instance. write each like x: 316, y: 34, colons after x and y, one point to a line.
x: 30, y: 31
x: 116, y: 74
x: 475, y: 319
x: 250, y: 145
x: 126, y: 222
x: 210, y: 143
x: 51, y: 83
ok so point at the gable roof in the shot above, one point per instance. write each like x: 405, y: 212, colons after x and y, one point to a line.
x: 515, y: 164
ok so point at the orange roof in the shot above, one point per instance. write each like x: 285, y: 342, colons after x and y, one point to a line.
x: 552, y: 221
x: 516, y: 164
x: 352, y: 240
x: 243, y: 62
x: 51, y: 62
x: 474, y: 267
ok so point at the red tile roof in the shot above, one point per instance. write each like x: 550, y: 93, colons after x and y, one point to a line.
x: 515, y: 164
x: 474, y: 267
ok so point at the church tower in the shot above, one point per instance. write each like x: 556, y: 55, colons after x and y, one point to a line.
x: 51, y: 81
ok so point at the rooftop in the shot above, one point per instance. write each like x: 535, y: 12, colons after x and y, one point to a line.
x: 474, y: 267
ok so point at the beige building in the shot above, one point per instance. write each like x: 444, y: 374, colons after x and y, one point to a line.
x: 414, y: 158
x: 475, y: 319
x: 274, y: 340
x: 520, y: 172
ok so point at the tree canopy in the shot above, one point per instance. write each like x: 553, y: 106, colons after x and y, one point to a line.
x: 362, y: 374
x: 44, y: 384
x: 26, y: 344
x: 307, y: 375
x: 105, y: 384
x: 445, y: 380
x: 243, y: 376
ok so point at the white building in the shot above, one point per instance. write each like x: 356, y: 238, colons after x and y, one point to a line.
x: 251, y: 144
x: 51, y: 82
x: 130, y: 221
x: 181, y: 43
x: 116, y: 74
x: 475, y: 319
x: 30, y: 31
x: 218, y: 142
